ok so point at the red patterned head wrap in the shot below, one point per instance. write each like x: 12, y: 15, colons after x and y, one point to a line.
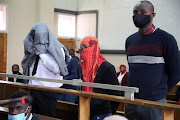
x: 124, y: 70
x: 91, y: 59
x: 122, y: 66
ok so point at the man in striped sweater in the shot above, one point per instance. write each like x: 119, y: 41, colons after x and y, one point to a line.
x: 154, y: 63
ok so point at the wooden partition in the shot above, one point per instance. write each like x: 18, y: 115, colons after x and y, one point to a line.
x: 66, y: 110
x: 69, y: 42
x: 171, y: 94
x: 84, y: 112
x: 3, y: 53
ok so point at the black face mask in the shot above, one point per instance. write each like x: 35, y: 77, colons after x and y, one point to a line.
x: 141, y: 20
x: 72, y: 55
x: 15, y: 72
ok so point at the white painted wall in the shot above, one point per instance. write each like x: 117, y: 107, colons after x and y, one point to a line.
x: 115, y: 22
x: 44, y: 12
x: 115, y: 19
x: 84, y: 5
x: 22, y: 15
x: 21, y: 18
x: 66, y: 4
x: 168, y: 16
x: 117, y: 60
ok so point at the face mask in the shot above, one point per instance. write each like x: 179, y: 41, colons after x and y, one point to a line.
x: 18, y: 116
x: 86, y: 57
x: 86, y: 62
x: 123, y: 71
x: 15, y: 72
x: 72, y: 55
x: 141, y: 21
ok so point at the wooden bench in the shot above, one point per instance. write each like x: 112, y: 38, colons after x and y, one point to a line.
x: 67, y: 110
x: 170, y: 97
x: 3, y: 113
x: 42, y: 117
x: 172, y: 93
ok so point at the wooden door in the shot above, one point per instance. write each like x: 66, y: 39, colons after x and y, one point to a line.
x: 3, y: 53
x: 69, y: 42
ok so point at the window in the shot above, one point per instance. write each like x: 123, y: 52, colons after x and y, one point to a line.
x: 76, y: 24
x: 2, y: 17
x: 66, y: 25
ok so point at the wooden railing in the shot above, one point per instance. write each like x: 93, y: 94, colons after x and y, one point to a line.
x: 84, y: 99
x: 128, y: 91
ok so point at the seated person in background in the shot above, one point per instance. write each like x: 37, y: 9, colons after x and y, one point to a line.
x: 115, y: 117
x: 79, y: 71
x: 72, y: 69
x: 96, y: 69
x: 20, y: 111
x: 72, y: 53
x: 122, y: 75
x: 15, y: 70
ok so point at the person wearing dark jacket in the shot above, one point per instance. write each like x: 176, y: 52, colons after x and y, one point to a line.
x: 19, y: 110
x: 15, y: 70
x: 154, y: 63
x: 73, y: 74
x: 96, y: 69
x: 72, y: 53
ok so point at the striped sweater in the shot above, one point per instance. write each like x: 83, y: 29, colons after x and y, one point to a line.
x: 154, y: 64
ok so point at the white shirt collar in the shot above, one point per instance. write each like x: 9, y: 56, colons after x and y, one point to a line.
x: 30, y: 117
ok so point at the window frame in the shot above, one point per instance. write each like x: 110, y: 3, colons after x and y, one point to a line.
x: 76, y: 13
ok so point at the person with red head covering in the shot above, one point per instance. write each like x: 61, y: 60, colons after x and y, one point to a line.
x: 122, y: 76
x: 96, y: 69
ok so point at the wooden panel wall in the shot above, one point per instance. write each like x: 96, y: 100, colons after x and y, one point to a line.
x: 3, y: 53
x: 69, y: 42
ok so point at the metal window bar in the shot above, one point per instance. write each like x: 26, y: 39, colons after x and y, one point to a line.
x: 129, y: 91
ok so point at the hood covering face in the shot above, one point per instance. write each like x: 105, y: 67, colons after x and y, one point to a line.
x: 91, y: 59
x: 40, y: 40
